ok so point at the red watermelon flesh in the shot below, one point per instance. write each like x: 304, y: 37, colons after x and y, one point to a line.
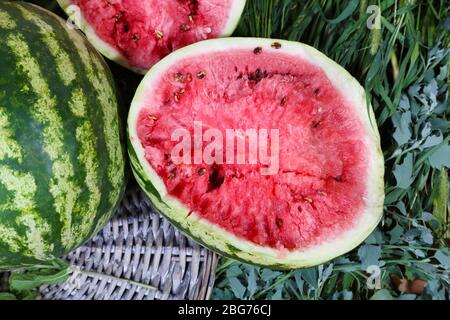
x: 320, y: 188
x: 144, y: 31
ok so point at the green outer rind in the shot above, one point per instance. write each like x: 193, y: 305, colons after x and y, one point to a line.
x: 113, y: 54
x: 58, y: 55
x: 223, y: 241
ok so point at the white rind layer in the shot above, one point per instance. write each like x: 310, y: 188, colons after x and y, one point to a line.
x: 113, y: 54
x: 225, y: 242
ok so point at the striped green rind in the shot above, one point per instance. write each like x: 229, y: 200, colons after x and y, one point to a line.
x: 61, y: 158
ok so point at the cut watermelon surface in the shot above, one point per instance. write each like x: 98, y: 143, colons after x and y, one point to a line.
x: 138, y: 33
x: 326, y: 194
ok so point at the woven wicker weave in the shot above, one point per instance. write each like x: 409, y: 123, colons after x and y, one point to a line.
x: 136, y: 249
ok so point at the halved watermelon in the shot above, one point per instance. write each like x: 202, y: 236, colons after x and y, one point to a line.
x: 327, y: 193
x: 138, y: 33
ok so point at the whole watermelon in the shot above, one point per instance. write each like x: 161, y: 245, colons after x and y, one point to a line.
x: 61, y: 157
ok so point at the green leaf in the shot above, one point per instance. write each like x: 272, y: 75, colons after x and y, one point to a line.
x: 234, y: 271
x: 325, y: 273
x: 443, y: 257
x: 268, y: 275
x: 347, y: 295
x: 34, y: 278
x: 348, y: 280
x: 347, y: 12
x: 396, y: 234
x: 374, y: 68
x: 310, y: 276
x: 432, y: 141
x: 382, y: 294
x: 441, y: 157
x: 402, y: 132
x: 440, y: 198
x: 427, y: 236
x: 252, y: 286
x: 403, y: 172
x: 28, y: 295
x: 7, y: 296
x: 369, y: 255
x: 393, y: 196
x: 278, y: 293
x: 237, y: 288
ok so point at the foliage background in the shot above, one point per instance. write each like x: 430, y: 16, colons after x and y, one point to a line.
x: 404, y: 66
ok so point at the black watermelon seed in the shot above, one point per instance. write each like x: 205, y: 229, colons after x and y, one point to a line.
x: 201, y: 75
x: 178, y: 76
x: 258, y: 50
x: 172, y: 173
x: 201, y: 171
x: 279, y: 222
x: 276, y: 45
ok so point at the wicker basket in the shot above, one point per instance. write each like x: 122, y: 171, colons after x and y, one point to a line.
x: 138, y: 249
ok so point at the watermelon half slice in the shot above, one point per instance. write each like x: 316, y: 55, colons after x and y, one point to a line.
x: 326, y: 193
x: 139, y: 33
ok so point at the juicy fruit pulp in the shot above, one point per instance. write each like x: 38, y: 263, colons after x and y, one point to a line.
x: 145, y: 31
x: 327, y: 194
x: 319, y: 188
x: 61, y: 158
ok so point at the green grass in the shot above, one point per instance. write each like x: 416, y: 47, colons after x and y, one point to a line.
x: 404, y: 69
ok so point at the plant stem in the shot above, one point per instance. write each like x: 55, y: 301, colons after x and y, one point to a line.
x: 77, y: 270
